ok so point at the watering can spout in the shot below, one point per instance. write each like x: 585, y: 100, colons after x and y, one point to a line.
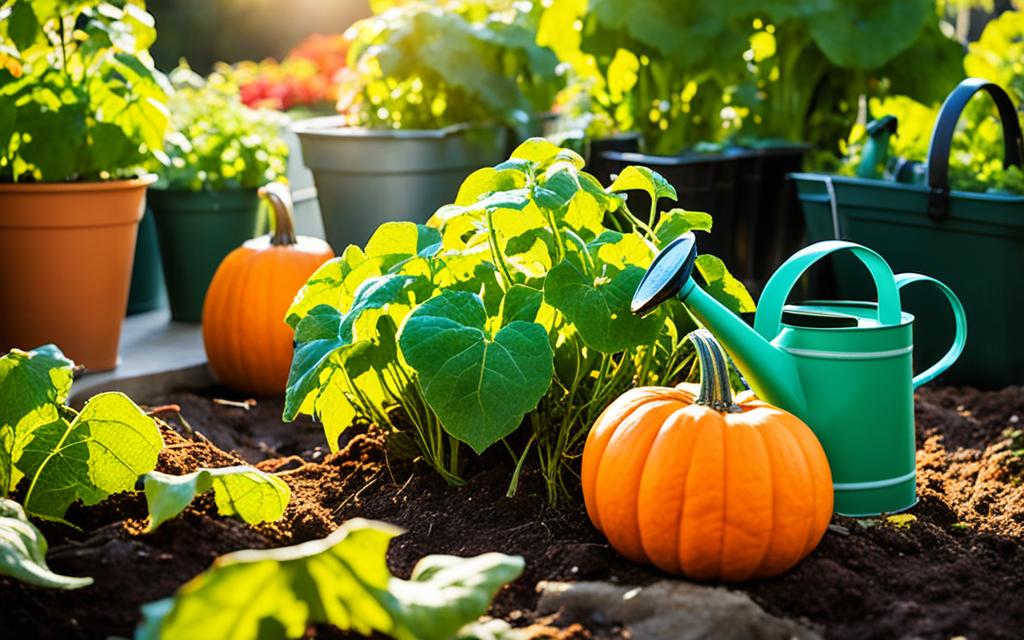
x: 770, y: 371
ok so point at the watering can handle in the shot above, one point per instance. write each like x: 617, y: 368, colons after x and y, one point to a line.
x: 768, y: 321
x: 959, y: 340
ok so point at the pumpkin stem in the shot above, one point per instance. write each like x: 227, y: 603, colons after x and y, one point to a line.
x: 280, y: 199
x: 715, y: 389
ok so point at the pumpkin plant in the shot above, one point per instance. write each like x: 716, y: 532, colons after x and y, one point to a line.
x: 702, y: 484
x: 509, y: 308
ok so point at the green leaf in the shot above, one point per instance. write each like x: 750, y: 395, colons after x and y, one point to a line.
x: 723, y: 285
x: 536, y: 150
x: 486, y: 181
x: 334, y: 283
x: 32, y: 386
x: 865, y: 34
x: 23, y: 27
x: 479, y: 386
x: 324, y: 336
x: 103, y: 451
x: 23, y: 551
x: 341, y: 580
x: 241, y: 490
x: 599, y: 305
x: 521, y: 303
x: 676, y: 222
x: 395, y: 242
x: 557, y: 187
x: 643, y: 179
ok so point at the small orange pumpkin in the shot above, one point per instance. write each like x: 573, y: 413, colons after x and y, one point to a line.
x: 248, y: 344
x: 696, y: 484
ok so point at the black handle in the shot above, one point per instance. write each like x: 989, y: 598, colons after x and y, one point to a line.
x: 942, y: 139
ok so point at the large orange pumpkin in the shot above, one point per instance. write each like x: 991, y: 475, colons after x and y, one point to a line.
x: 248, y: 344
x: 698, y: 484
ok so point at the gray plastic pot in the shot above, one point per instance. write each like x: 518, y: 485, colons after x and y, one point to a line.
x: 365, y: 177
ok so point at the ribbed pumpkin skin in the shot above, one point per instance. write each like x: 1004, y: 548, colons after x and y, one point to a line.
x: 248, y: 344
x: 729, y: 496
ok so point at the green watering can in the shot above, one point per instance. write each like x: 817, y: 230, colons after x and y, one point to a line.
x: 842, y: 367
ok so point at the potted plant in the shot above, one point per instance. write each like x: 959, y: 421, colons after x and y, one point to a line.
x: 302, y: 85
x: 935, y: 189
x: 82, y: 111
x: 726, y: 112
x: 426, y: 97
x: 205, y: 202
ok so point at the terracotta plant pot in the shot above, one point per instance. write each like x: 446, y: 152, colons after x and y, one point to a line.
x: 65, y: 264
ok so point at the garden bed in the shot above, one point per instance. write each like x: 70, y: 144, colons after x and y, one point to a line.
x: 954, y: 570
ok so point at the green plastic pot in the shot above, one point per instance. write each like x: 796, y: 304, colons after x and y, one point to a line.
x: 197, y: 229
x: 974, y: 242
x: 147, y: 289
x: 366, y: 177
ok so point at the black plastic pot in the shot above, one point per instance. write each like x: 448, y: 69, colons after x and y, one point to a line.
x: 757, y: 220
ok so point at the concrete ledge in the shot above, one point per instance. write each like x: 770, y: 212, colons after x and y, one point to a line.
x: 156, y: 356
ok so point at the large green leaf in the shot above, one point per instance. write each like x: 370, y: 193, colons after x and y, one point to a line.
x: 247, y: 492
x: 32, y: 386
x: 643, y: 179
x: 393, y: 243
x: 676, y: 222
x: 341, y: 580
x: 480, y: 386
x: 723, y: 285
x: 865, y: 34
x: 23, y: 551
x: 325, y: 335
x: 598, y: 305
x: 102, y: 451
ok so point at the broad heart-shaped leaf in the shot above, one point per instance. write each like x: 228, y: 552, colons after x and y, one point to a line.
x: 32, y: 385
x: 676, y: 222
x: 598, y: 306
x: 394, y: 243
x: 23, y: 551
x: 103, y: 451
x: 536, y: 150
x: 643, y: 179
x: 486, y: 181
x: 325, y: 334
x: 245, y: 491
x: 520, y: 303
x: 865, y: 34
x: 341, y: 580
x: 479, y: 386
x: 333, y: 283
x: 723, y: 285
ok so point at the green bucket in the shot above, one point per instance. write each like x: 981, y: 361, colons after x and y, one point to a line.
x: 197, y: 229
x: 974, y: 242
x: 147, y: 289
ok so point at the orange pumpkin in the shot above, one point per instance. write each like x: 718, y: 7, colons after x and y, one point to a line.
x: 695, y: 483
x: 248, y: 344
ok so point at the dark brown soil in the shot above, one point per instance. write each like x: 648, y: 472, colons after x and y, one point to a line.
x: 957, y: 569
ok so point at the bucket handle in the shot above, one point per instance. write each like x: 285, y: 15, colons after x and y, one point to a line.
x: 959, y: 340
x: 768, y: 321
x: 942, y: 139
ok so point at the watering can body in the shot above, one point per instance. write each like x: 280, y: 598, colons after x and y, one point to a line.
x: 844, y: 368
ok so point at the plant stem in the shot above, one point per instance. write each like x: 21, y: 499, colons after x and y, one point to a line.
x: 492, y: 234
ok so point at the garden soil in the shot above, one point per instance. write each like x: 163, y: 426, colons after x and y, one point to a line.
x: 953, y: 566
